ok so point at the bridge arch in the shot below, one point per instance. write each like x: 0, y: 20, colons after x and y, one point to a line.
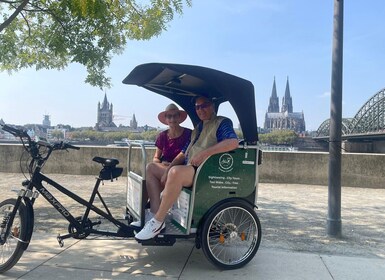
x: 369, y: 119
x: 371, y: 116
x: 324, y: 128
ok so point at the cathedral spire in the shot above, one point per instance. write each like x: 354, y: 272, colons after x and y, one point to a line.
x: 105, y: 104
x: 274, y: 101
x: 274, y: 90
x: 287, y: 104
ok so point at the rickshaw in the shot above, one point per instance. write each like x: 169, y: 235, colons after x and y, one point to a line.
x: 218, y: 211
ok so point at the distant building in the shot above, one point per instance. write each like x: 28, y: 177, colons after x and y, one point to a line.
x: 285, y: 119
x: 46, y: 121
x: 56, y: 133
x: 105, y: 115
x: 134, y: 123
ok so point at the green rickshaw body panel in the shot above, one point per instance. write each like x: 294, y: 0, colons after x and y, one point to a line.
x: 225, y: 175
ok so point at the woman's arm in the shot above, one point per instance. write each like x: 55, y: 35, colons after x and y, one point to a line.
x: 157, y: 155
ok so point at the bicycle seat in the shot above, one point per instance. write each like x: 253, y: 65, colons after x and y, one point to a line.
x: 106, y: 161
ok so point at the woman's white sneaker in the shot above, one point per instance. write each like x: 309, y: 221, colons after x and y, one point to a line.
x: 151, y: 229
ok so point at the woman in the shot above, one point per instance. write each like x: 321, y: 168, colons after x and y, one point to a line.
x: 168, y: 145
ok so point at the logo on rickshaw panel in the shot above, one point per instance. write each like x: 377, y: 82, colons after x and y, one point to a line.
x: 226, y: 163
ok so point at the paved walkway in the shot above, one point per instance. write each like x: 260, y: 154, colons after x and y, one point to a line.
x: 294, y: 241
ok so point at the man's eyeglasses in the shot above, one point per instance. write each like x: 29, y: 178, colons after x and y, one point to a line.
x: 170, y: 116
x: 202, y: 106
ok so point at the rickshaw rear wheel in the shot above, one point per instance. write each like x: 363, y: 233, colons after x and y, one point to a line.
x: 231, y: 234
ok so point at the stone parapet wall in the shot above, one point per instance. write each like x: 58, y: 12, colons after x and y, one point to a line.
x: 358, y: 170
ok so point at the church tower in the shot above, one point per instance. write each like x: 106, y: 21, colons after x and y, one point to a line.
x: 134, y: 123
x: 274, y: 101
x: 105, y: 114
x: 46, y: 121
x: 287, y: 103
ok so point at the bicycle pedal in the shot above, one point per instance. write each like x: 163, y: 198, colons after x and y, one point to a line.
x: 60, y: 241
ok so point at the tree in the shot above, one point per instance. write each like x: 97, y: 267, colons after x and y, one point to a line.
x: 150, y: 135
x: 51, y: 34
x: 58, y: 134
x: 278, y: 137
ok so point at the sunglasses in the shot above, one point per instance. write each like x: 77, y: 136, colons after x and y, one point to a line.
x: 175, y: 116
x: 202, y: 106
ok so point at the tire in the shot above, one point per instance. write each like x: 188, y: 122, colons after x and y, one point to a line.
x: 231, y: 234
x: 12, y: 249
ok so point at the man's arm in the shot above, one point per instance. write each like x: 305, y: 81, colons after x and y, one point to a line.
x: 221, y: 147
x: 178, y: 160
x: 227, y: 141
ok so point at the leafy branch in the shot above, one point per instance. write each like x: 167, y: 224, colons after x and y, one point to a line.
x: 50, y: 34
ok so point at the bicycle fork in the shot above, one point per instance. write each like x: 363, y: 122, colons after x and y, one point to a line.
x: 8, y: 219
x: 7, y: 222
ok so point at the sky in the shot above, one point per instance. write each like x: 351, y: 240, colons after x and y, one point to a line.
x: 258, y: 40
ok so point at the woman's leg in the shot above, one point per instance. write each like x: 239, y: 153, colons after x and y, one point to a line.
x: 178, y: 177
x: 154, y: 172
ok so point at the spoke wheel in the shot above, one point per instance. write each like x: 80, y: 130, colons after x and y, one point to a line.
x: 11, y: 246
x: 231, y: 235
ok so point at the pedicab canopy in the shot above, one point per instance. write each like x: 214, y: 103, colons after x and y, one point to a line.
x: 182, y: 83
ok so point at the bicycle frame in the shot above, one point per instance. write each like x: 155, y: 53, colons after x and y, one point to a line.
x: 81, y: 226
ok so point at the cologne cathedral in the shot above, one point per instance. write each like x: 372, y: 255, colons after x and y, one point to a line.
x: 284, y: 119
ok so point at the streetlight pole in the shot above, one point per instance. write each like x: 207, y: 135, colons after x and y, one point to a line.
x: 334, y: 191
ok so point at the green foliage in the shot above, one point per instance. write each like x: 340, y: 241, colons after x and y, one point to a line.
x: 278, y: 137
x: 113, y: 135
x: 58, y: 134
x: 66, y: 126
x: 239, y: 133
x: 150, y: 135
x: 52, y: 34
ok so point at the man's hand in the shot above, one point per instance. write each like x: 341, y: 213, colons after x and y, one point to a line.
x: 199, y: 158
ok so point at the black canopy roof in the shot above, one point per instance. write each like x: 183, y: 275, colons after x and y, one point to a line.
x: 182, y: 83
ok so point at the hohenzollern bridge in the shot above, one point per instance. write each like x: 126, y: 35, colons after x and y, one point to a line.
x: 365, y: 132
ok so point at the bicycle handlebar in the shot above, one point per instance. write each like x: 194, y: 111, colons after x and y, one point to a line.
x: 14, y: 131
x: 63, y: 146
x: 32, y: 144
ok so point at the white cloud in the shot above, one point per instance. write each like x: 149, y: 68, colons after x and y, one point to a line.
x: 324, y: 95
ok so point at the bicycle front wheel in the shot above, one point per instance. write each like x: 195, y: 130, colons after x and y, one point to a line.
x: 11, y: 246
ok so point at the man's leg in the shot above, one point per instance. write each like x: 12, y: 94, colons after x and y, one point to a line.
x: 178, y: 177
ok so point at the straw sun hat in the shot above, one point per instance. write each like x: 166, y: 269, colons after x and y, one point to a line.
x: 170, y: 109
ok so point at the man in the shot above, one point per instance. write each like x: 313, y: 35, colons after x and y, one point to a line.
x: 213, y: 135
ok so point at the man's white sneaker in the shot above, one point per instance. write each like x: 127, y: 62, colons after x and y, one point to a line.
x: 151, y: 229
x: 148, y: 216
